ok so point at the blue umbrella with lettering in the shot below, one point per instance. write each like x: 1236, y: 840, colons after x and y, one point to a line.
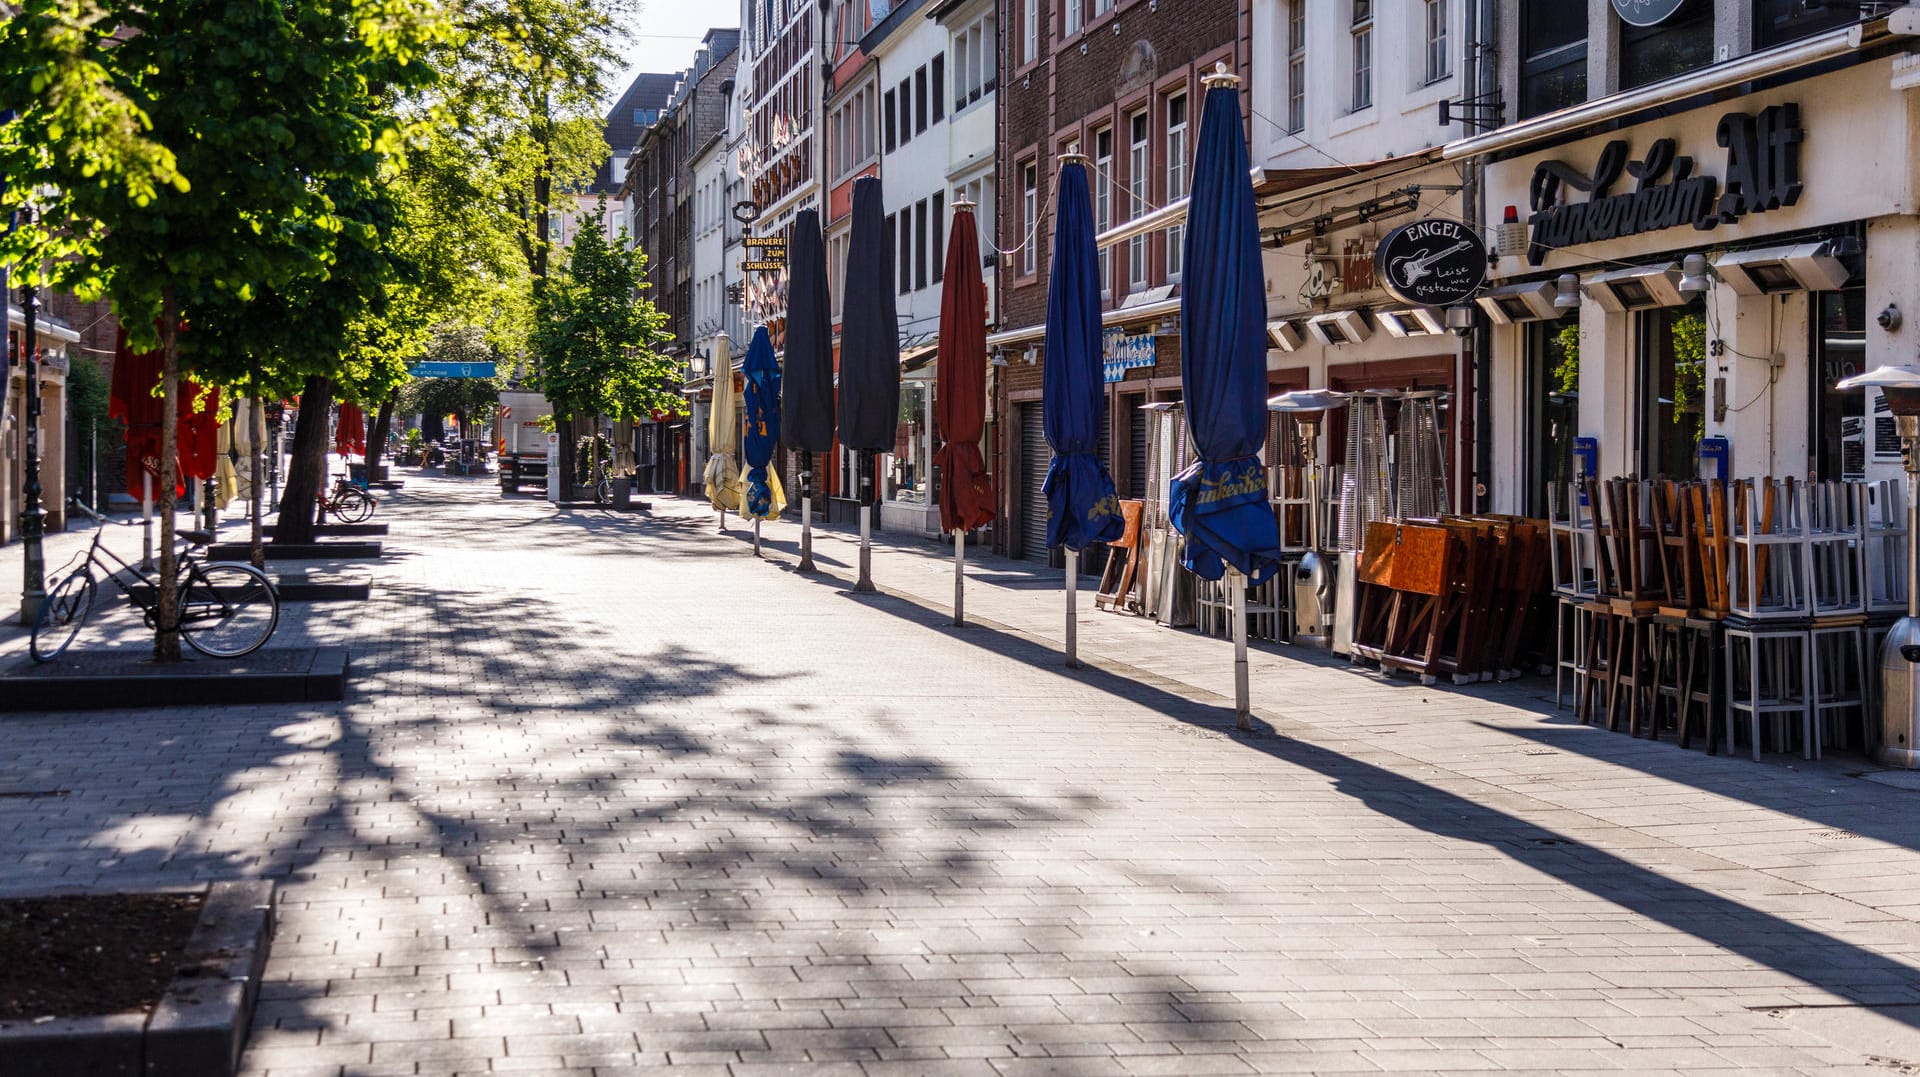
x: 1081, y: 506
x: 1220, y: 503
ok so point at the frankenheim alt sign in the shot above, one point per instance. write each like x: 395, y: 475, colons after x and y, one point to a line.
x: 1762, y: 172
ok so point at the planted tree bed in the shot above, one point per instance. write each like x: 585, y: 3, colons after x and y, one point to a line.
x: 132, y: 985
x: 86, y: 955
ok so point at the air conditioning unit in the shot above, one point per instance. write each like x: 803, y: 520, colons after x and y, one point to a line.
x: 1411, y: 321
x: 1807, y: 267
x: 1511, y: 304
x: 1340, y: 327
x: 1637, y: 288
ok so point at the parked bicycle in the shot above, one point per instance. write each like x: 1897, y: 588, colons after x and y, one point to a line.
x: 347, y: 502
x: 226, y: 609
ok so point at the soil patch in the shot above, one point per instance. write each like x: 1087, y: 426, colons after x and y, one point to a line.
x: 85, y: 955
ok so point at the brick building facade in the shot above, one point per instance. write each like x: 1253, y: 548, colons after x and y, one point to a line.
x: 1121, y: 80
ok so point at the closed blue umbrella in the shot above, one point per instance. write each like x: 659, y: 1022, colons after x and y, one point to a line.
x: 1220, y: 503
x: 806, y: 400
x: 765, y: 500
x: 1081, y: 506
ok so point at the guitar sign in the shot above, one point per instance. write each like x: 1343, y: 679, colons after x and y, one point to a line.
x: 1431, y: 263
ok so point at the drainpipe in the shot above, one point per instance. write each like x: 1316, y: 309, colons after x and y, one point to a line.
x: 1483, y: 80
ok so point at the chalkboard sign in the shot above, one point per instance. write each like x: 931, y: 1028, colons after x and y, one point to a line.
x: 1431, y: 263
x: 1647, y: 12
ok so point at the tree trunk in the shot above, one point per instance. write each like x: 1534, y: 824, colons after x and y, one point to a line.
x: 377, y: 438
x: 166, y: 641
x: 257, y: 474
x: 307, y: 469
x: 569, y: 455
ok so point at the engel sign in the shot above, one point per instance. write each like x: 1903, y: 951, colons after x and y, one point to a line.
x: 1431, y: 263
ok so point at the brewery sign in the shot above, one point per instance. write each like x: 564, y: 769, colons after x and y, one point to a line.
x: 767, y: 253
x: 1762, y: 173
x: 1647, y: 12
x: 1431, y: 263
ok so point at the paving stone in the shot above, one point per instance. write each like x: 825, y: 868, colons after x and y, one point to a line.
x: 613, y: 796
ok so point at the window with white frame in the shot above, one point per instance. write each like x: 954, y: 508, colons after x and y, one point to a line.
x: 1176, y: 179
x: 1439, y: 62
x: 974, y: 66
x: 938, y: 237
x: 837, y: 269
x: 1029, y: 217
x: 980, y: 193
x: 1101, y: 7
x: 1362, y: 54
x: 1296, y: 66
x: 1069, y: 17
x: 1029, y: 31
x: 1139, y: 153
x: 1103, y: 200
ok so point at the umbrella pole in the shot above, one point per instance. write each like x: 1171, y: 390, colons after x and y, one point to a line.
x: 1073, y: 602
x: 146, y: 519
x: 756, y: 536
x: 865, y: 583
x: 1237, y: 596
x: 806, y: 512
x: 959, y: 578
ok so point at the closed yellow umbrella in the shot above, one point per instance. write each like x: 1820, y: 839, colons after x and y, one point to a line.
x: 723, y: 433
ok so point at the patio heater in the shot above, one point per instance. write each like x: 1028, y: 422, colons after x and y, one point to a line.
x: 1312, y: 576
x: 1900, y: 654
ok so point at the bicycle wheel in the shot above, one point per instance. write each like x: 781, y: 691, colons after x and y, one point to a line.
x: 603, y: 492
x: 61, y: 616
x: 228, y: 609
x: 354, y: 506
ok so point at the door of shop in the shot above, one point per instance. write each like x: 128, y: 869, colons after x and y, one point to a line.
x: 1034, y: 458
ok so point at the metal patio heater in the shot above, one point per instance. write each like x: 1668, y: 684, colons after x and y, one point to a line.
x: 1312, y: 576
x: 1900, y: 654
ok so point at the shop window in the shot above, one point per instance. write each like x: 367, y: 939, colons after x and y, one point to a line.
x: 1553, y: 56
x: 1776, y: 22
x: 1681, y: 44
x: 1552, y: 409
x: 1840, y: 435
x: 1671, y: 376
x: 910, y: 465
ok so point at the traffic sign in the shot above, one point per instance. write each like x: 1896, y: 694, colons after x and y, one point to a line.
x: 451, y: 370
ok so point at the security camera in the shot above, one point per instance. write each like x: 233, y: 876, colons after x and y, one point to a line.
x: 1889, y: 318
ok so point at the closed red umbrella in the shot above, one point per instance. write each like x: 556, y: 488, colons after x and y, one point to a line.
x: 131, y: 400
x: 350, y: 433
x: 197, y: 431
x: 960, y: 397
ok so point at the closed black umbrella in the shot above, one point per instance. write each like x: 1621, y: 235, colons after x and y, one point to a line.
x: 806, y: 376
x: 869, y: 412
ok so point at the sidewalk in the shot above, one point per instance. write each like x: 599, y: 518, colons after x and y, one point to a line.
x: 1818, y: 825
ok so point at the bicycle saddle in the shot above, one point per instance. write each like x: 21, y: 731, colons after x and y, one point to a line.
x: 197, y: 538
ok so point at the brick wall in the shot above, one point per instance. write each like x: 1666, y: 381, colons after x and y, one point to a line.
x: 1136, y: 59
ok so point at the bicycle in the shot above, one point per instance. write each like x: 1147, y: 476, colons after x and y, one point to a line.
x: 347, y: 502
x: 226, y: 609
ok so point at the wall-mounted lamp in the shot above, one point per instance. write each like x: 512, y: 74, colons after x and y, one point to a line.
x: 697, y: 362
x: 999, y: 359
x: 1567, y: 292
x: 1694, y: 278
x: 1032, y: 356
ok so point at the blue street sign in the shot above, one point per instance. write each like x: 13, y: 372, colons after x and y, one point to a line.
x: 451, y: 370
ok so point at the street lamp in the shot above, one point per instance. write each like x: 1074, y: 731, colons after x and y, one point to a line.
x: 33, y: 518
x: 1900, y: 654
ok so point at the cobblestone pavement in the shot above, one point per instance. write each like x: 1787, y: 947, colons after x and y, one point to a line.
x: 610, y: 794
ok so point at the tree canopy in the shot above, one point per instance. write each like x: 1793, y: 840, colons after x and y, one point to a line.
x: 597, y: 337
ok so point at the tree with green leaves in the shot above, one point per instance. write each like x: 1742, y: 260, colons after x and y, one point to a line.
x: 597, y: 337
x: 278, y: 118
